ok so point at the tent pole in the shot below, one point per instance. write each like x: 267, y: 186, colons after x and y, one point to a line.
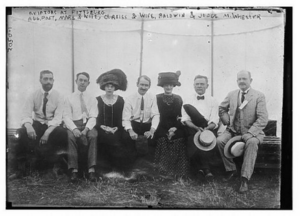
x: 142, y: 42
x: 73, y: 75
x: 212, y: 56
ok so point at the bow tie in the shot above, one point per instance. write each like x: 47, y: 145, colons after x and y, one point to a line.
x: 200, y: 97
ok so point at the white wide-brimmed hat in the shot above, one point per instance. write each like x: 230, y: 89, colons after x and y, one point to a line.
x: 234, y: 147
x: 205, y: 140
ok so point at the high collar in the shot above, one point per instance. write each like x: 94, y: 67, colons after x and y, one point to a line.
x: 246, y: 90
x: 43, y: 91
x: 79, y: 92
x: 196, y: 95
x: 140, y: 96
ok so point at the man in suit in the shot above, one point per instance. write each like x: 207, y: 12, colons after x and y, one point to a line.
x: 41, y: 133
x: 80, y: 115
x: 244, y: 112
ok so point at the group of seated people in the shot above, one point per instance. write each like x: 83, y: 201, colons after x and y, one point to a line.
x: 182, y: 133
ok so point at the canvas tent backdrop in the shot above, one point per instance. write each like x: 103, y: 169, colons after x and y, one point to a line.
x: 215, y: 47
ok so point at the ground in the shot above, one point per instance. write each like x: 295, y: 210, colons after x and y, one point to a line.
x: 147, y: 190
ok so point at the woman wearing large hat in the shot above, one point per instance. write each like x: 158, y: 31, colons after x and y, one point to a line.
x: 109, y: 121
x: 170, y: 152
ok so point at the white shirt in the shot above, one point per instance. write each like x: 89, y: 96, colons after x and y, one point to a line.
x: 240, y: 94
x: 208, y: 107
x: 54, y: 108
x: 132, y: 110
x: 72, y: 110
x: 43, y: 91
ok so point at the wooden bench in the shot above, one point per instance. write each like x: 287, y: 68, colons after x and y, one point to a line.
x: 269, y: 153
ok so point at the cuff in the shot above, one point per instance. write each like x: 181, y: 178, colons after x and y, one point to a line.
x: 72, y: 128
x: 51, y: 123
x: 27, y: 120
x: 251, y: 133
x: 153, y: 128
x: 89, y: 128
x: 214, y: 123
x: 128, y: 128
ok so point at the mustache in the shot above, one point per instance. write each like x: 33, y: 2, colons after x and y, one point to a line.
x: 48, y: 85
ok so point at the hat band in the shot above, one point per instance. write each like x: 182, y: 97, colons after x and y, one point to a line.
x: 203, y: 143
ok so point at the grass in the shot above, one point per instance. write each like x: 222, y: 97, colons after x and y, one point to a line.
x: 149, y: 190
x: 45, y: 190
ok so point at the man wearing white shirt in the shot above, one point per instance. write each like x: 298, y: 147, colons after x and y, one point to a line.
x: 80, y: 115
x: 41, y: 134
x: 207, y: 106
x: 140, y: 113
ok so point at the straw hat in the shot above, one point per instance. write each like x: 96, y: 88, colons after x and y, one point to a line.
x: 234, y: 147
x: 205, y: 140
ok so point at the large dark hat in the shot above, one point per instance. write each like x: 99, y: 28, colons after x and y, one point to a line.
x: 205, y: 140
x: 115, y: 77
x: 234, y: 147
x: 169, y: 78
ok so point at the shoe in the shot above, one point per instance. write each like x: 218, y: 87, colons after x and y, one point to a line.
x: 230, y: 175
x: 132, y: 178
x: 17, y: 175
x: 56, y: 169
x: 208, y: 175
x: 92, y: 177
x: 74, y: 177
x: 244, y: 185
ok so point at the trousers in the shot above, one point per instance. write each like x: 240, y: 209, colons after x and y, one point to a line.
x: 199, y: 159
x: 249, y: 157
x: 147, y: 146
x: 29, y: 148
x: 78, y: 146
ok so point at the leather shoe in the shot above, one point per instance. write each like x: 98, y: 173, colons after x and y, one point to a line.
x: 208, y: 175
x: 92, y: 177
x: 74, y: 177
x: 229, y: 175
x: 244, y: 185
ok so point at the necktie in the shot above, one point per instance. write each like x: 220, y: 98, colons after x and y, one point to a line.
x: 243, y: 96
x: 200, y: 97
x: 45, y: 100
x: 82, y: 103
x: 83, y: 108
x: 142, y: 110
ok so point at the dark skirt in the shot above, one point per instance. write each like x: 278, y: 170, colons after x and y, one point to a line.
x: 170, y: 157
x: 119, y: 154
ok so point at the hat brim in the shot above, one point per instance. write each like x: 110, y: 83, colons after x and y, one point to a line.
x: 201, y: 147
x: 229, y: 144
x: 113, y: 82
x: 169, y: 83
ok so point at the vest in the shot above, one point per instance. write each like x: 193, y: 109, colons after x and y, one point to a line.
x: 237, y: 120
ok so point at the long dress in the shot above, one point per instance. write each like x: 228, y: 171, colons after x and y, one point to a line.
x: 116, y: 152
x: 170, y: 154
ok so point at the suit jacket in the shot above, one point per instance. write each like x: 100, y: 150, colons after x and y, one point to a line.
x: 254, y: 116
